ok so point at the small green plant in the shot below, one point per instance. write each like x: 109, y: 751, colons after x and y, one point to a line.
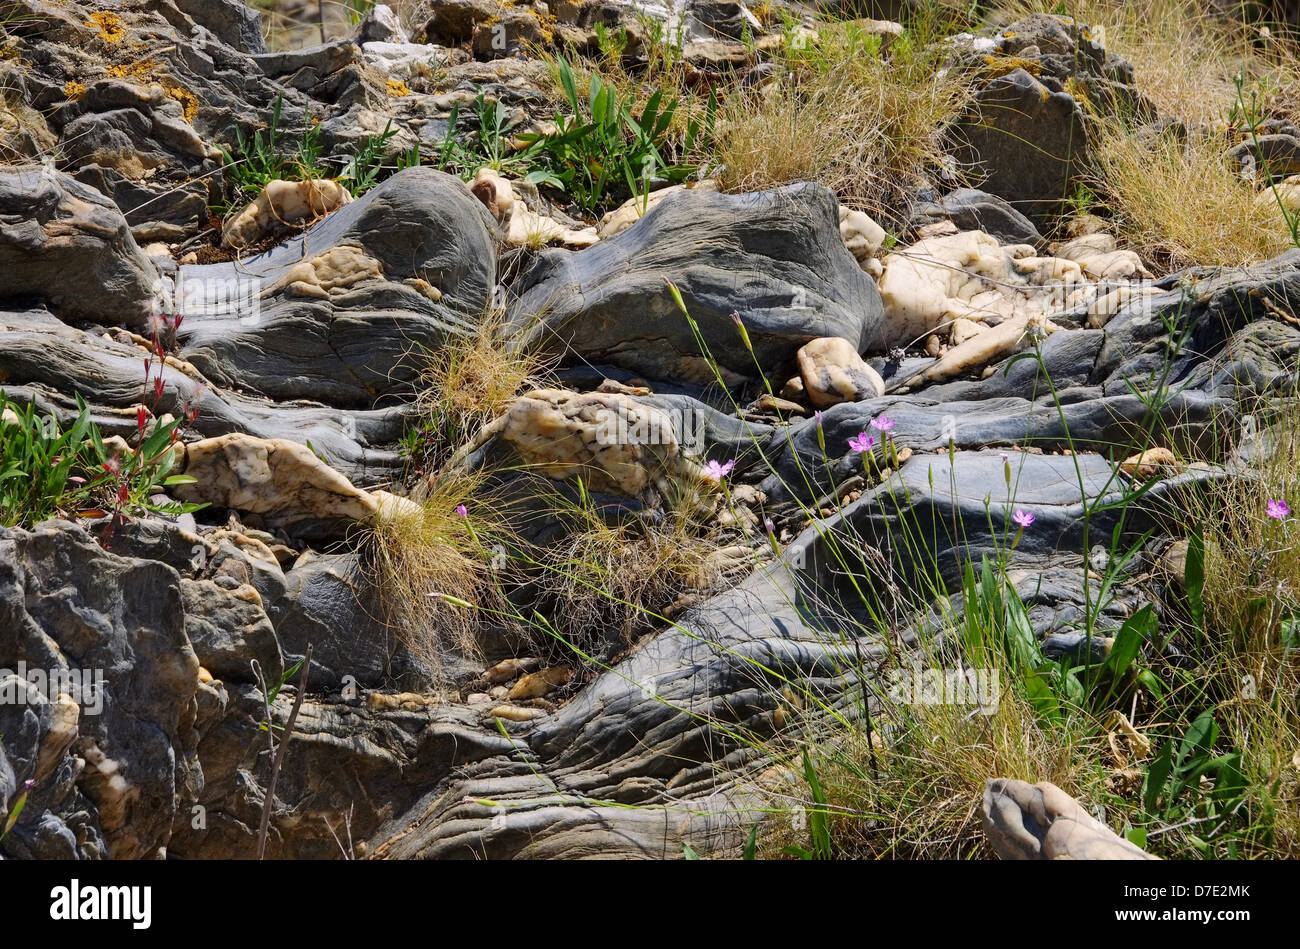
x: 16, y: 808
x: 47, y: 471
x: 820, y: 846
x: 485, y: 145
x: 267, y: 155
x: 357, y: 9
x: 255, y: 161
x: 600, y: 154
x: 365, y: 168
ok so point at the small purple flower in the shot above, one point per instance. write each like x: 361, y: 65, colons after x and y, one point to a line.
x: 1277, y: 509
x: 1023, y: 518
x: 817, y: 417
x: 716, y: 472
x: 460, y: 509
x: 1005, y: 457
x: 862, y: 442
x: 769, y: 525
x: 882, y: 423
x: 735, y: 318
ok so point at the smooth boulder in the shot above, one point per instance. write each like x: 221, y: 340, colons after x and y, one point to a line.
x: 774, y: 258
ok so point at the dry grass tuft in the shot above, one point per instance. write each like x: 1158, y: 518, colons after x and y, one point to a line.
x: 863, y: 122
x: 1179, y: 203
x: 469, y: 382
x: 921, y: 799
x: 1252, y: 621
x: 612, y: 579
x: 420, y: 559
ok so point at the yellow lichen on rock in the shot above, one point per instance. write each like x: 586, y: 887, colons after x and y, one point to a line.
x: 136, y: 70
x: 999, y: 66
x: 111, y: 29
x: 189, y: 101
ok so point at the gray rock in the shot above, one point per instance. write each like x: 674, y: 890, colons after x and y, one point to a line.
x: 67, y: 604
x: 381, y: 25
x: 1024, y: 133
x: 232, y: 22
x: 147, y: 126
x: 1025, y: 143
x: 228, y: 629
x: 776, y: 258
x: 972, y: 210
x: 1041, y: 822
x: 248, y: 326
x: 331, y: 602
x: 44, y: 360
x: 66, y: 243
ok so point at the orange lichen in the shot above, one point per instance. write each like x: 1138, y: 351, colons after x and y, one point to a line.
x: 397, y: 88
x: 188, y: 100
x: 134, y: 70
x: 73, y: 90
x: 111, y: 29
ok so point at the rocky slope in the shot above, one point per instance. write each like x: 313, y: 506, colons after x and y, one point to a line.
x: 292, y: 361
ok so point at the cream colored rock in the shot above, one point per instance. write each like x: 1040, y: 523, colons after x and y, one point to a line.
x: 1104, y: 307
x: 964, y: 329
x: 282, y: 202
x: 535, y: 685
x: 990, y: 346
x: 530, y: 229
x: 280, y: 481
x: 336, y: 271
x: 1096, y: 255
x: 863, y: 237
x: 496, y: 193
x: 615, y: 443
x: 833, y: 372
x: 1288, y: 193
x: 635, y: 208
x: 509, y: 669
x: 1149, y: 464
x: 970, y: 276
x: 513, y: 713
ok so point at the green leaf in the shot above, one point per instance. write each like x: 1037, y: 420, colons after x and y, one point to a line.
x: 1199, y: 737
x: 1041, y: 696
x: 179, y: 479
x: 1139, y: 627
x: 1157, y: 775
x: 14, y: 813
x: 1137, y: 836
x: 689, y: 852
x: 751, y: 843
